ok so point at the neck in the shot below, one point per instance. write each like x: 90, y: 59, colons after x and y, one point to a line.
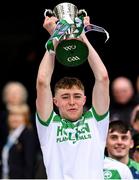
x: 121, y: 159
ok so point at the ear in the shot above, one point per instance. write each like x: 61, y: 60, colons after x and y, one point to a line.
x: 55, y: 101
x: 84, y: 100
x: 131, y: 144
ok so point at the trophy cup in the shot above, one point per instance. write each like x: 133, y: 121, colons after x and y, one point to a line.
x: 71, y: 50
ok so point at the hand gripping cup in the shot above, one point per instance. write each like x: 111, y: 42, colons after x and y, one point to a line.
x: 71, y: 50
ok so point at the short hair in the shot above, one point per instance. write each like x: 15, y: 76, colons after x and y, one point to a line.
x: 23, y: 89
x: 119, y: 126
x: 68, y: 83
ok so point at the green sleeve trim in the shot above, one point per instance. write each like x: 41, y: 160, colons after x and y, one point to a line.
x: 44, y: 122
x: 57, y: 118
x: 97, y: 116
x: 88, y: 114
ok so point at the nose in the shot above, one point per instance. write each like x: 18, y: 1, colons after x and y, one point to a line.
x: 71, y: 101
x: 119, y: 141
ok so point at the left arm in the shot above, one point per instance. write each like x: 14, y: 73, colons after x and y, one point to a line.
x: 100, y: 93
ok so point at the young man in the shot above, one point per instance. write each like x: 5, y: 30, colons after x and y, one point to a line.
x: 119, y: 142
x: 72, y: 142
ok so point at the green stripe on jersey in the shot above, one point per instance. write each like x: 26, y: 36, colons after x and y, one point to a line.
x: 97, y: 116
x: 45, y: 122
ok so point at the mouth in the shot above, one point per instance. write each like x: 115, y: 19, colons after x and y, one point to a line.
x: 119, y: 149
x: 72, y: 110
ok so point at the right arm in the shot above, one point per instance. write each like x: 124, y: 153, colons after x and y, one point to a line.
x: 44, y: 101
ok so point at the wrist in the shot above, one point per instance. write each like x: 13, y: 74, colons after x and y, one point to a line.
x: 83, y: 37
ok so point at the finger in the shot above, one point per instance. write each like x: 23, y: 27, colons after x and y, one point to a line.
x: 86, y: 20
x: 53, y: 18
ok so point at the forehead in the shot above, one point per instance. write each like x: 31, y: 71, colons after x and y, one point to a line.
x: 120, y: 134
x: 122, y: 84
x: 71, y: 91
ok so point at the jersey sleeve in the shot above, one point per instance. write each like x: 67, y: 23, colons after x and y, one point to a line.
x: 45, y: 128
x: 102, y: 123
x: 114, y: 169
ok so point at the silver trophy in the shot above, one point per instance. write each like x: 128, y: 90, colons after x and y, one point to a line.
x: 71, y: 50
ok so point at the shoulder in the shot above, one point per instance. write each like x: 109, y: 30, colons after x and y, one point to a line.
x: 116, y: 169
x: 134, y: 164
x: 113, y: 163
x: 27, y: 133
x: 91, y: 113
x: 54, y: 117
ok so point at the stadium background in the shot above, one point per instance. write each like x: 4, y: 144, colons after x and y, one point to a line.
x: 22, y: 41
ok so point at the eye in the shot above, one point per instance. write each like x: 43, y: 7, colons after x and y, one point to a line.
x: 77, y: 96
x: 125, y: 138
x: 64, y: 97
x: 113, y: 137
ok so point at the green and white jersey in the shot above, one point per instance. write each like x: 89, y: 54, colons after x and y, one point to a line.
x: 73, y: 150
x: 114, y: 169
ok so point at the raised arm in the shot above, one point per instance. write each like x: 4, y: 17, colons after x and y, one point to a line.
x: 44, y: 101
x: 100, y: 94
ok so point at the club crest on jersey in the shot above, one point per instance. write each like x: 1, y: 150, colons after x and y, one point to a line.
x: 107, y: 174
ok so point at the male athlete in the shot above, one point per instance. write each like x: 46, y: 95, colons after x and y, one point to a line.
x: 72, y: 142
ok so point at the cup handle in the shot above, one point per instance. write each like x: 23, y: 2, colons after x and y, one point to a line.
x: 48, y: 12
x: 82, y: 12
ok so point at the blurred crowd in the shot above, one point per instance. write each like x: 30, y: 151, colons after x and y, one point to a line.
x: 20, y: 154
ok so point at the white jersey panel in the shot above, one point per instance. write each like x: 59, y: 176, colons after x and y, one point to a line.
x: 114, y: 169
x: 73, y: 150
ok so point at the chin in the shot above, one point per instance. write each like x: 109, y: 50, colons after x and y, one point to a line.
x: 119, y: 155
x: 73, y: 120
x: 72, y: 116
